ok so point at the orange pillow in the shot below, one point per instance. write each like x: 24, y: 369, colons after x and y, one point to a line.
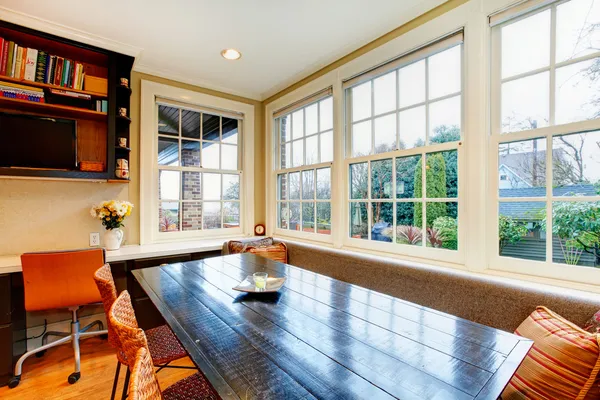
x: 239, y: 246
x: 562, y: 364
x: 276, y: 252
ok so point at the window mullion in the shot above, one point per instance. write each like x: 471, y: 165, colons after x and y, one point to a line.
x: 552, y: 99
x: 549, y: 205
x: 369, y: 204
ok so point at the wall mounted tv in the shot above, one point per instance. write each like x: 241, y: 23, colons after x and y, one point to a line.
x: 29, y: 141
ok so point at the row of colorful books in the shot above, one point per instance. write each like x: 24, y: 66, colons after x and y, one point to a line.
x: 38, y: 66
x: 14, y: 91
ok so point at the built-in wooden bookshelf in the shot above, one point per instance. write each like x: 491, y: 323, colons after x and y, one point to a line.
x: 98, y: 132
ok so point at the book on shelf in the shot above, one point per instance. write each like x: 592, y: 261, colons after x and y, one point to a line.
x: 66, y: 93
x: 21, y: 92
x: 102, y: 105
x: 38, y: 65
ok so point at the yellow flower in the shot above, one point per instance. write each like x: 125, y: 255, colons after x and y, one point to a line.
x: 108, y: 219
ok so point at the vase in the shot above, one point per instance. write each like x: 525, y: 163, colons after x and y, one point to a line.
x: 113, y: 239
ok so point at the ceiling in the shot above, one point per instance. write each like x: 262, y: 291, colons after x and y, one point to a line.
x: 282, y: 41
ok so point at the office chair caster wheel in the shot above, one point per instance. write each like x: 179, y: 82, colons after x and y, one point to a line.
x: 40, y: 354
x: 14, y: 382
x: 74, y: 377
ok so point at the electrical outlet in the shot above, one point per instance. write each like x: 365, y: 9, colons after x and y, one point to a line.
x: 94, y: 239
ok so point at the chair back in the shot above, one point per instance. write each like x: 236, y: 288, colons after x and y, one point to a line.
x: 131, y: 337
x: 60, y: 279
x: 108, y: 291
x: 144, y: 385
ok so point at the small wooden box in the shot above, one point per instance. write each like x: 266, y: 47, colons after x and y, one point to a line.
x: 95, y: 84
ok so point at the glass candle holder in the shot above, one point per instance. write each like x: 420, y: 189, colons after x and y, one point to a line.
x: 260, y: 280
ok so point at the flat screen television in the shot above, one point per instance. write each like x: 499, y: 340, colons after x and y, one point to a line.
x: 29, y: 141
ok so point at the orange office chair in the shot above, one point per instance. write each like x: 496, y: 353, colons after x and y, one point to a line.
x: 62, y: 279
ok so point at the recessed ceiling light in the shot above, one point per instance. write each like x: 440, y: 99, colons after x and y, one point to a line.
x: 231, y: 54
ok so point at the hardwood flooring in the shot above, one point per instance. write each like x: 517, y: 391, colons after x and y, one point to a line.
x: 46, y: 378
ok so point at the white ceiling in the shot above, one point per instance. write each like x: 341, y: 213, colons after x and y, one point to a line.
x: 282, y: 41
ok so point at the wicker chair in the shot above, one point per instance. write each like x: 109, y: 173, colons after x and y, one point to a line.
x: 162, y: 343
x: 133, y: 339
x: 144, y: 385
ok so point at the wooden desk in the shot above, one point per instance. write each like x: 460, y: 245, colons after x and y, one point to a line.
x: 323, y: 338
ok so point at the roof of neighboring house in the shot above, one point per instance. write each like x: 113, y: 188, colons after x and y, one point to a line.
x: 531, y: 210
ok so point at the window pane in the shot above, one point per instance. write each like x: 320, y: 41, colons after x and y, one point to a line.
x: 359, y: 183
x: 444, y: 115
x: 326, y: 146
x: 211, y: 187
x: 285, y: 126
x: 210, y: 155
x: 577, y: 29
x: 522, y: 168
x: 282, y: 187
x: 576, y: 164
x: 231, y: 187
x: 294, y: 185
x: 324, y: 183
x: 192, y: 186
x: 308, y: 217
x: 525, y: 103
x: 406, y: 231
x: 576, y: 228
x: 308, y: 184
x: 408, y: 171
x: 312, y: 119
x: 192, y: 216
x: 168, y: 217
x: 231, y: 214
x: 312, y: 150
x: 445, y: 72
x: 212, y: 215
x: 526, y: 44
x: 359, y: 221
x: 168, y: 151
x: 520, y: 230
x: 412, y: 128
x: 190, y: 153
x: 578, y: 92
x: 411, y: 84
x: 381, y: 179
x: 168, y: 185
x: 211, y: 125
x: 298, y: 153
x: 385, y: 93
x: 190, y: 126
x: 383, y: 220
x: 168, y: 120
x: 229, y: 155
x: 442, y: 225
x: 230, y: 130
x: 441, y: 176
x: 361, y: 139
x: 298, y: 124
x: 324, y: 218
x: 326, y: 114
x: 385, y: 133
x: 294, y: 216
x: 361, y: 101
x: 286, y: 155
x: 282, y: 216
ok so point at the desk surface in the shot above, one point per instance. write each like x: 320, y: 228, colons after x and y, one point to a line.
x: 323, y: 338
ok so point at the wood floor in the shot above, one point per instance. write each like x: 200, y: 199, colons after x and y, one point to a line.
x: 46, y: 378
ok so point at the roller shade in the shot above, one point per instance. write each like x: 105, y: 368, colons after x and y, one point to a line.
x: 518, y: 9
x: 304, y: 102
x: 193, y: 107
x: 436, y: 46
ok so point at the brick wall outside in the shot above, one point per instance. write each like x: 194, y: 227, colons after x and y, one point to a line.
x: 191, y: 189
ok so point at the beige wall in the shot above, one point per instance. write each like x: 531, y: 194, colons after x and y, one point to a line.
x: 40, y: 215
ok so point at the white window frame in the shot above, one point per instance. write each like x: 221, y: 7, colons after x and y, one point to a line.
x: 547, y: 268
x: 149, y: 202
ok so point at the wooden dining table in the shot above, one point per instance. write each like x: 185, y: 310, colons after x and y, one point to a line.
x: 321, y: 338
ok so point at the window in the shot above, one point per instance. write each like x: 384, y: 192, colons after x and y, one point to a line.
x: 546, y: 133
x: 403, y: 127
x: 198, y: 169
x: 304, y: 137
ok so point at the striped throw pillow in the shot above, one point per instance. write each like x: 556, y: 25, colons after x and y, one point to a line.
x: 276, y: 252
x: 562, y: 364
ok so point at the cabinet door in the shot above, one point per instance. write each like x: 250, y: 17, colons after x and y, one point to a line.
x: 6, y: 354
x: 5, y: 299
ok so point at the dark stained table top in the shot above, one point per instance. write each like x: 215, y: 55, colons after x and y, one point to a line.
x: 322, y: 338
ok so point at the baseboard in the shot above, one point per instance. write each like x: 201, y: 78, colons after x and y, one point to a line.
x: 61, y: 326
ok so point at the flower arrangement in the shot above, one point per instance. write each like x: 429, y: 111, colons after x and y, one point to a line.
x: 112, y: 213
